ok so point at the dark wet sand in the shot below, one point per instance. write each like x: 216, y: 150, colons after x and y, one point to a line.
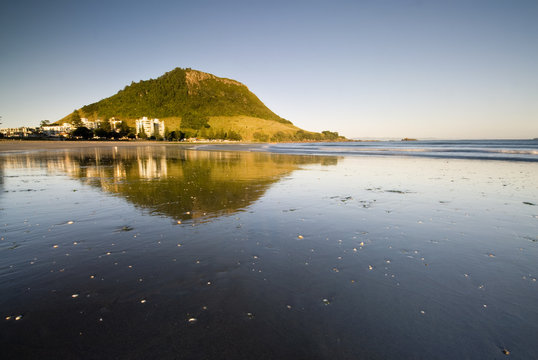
x: 155, y: 251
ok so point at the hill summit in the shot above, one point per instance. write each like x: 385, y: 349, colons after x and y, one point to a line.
x: 199, y: 104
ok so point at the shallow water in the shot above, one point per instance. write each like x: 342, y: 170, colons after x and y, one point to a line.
x: 507, y: 150
x: 169, y: 253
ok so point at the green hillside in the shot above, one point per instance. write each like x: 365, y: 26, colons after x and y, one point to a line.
x: 198, y: 104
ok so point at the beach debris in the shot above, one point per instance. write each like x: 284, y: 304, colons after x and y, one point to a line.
x: 300, y: 237
x: 18, y: 317
x: 74, y: 296
x: 422, y: 312
x: 370, y: 267
x: 70, y: 222
x: 55, y: 246
x: 326, y: 301
x: 179, y: 222
x: 8, y: 317
x: 491, y: 255
x: 250, y: 315
x: 143, y: 301
x: 528, y: 203
x: 505, y: 351
x: 336, y: 269
x: 92, y: 276
x: 192, y: 320
x: 288, y: 307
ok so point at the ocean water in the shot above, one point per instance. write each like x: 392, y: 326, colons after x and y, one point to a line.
x: 168, y: 253
x: 510, y: 150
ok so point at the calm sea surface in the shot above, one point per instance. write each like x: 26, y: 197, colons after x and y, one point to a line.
x: 512, y: 150
x: 165, y: 253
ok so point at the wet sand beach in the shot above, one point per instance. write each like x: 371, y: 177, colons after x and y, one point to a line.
x: 134, y: 250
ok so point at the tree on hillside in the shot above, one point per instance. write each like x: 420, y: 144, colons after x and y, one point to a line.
x: 329, y: 135
x: 103, y: 130
x: 75, y: 119
x: 125, y: 130
x: 142, y: 134
x: 44, y: 123
x: 82, y: 132
x: 195, y: 121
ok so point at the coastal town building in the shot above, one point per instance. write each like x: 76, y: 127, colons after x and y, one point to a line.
x: 57, y: 130
x: 20, y: 132
x: 115, y: 124
x: 90, y: 124
x: 149, y: 127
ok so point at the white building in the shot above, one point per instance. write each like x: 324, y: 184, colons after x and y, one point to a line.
x: 90, y: 124
x: 57, y: 130
x: 115, y: 124
x: 151, y: 127
x: 20, y: 132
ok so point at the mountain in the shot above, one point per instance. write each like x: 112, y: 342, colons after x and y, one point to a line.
x: 198, y: 104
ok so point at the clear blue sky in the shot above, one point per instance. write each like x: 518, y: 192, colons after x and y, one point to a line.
x: 443, y: 69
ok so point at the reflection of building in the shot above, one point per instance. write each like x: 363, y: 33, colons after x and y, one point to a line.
x: 152, y: 167
x: 150, y: 127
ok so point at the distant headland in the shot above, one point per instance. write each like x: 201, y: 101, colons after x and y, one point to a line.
x: 181, y: 104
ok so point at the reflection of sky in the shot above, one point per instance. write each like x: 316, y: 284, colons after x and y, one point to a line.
x: 477, y: 193
x: 440, y: 254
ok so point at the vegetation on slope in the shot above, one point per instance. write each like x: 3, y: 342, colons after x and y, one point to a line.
x: 184, y: 93
x: 196, y: 104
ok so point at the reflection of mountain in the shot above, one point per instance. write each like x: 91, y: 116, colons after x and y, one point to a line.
x: 182, y: 184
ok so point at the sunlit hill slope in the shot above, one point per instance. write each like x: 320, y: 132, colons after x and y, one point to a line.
x: 198, y: 104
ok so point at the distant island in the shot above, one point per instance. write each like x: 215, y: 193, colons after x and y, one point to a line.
x: 185, y: 104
